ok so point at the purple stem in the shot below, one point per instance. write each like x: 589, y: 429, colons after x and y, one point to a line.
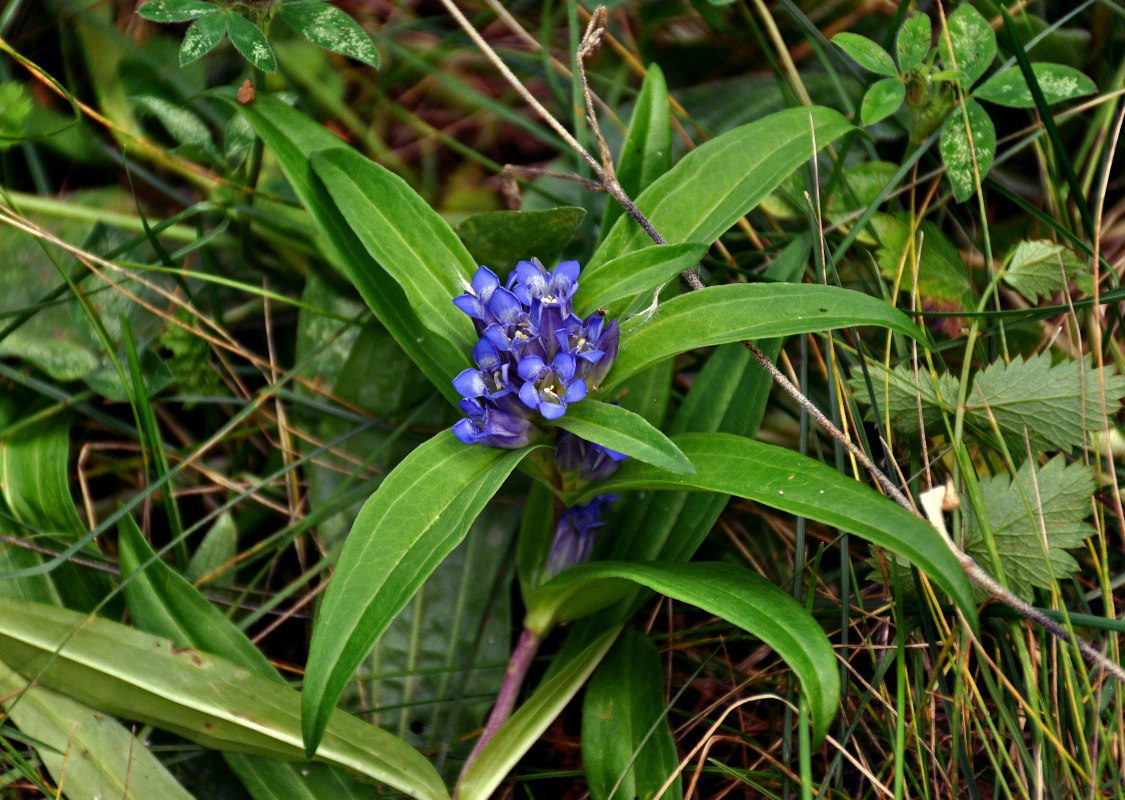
x: 518, y: 665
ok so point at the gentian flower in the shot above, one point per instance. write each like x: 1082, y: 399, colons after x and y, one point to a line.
x: 581, y: 462
x: 549, y: 387
x: 575, y: 535
x: 492, y: 426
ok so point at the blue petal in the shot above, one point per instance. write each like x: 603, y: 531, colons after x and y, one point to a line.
x: 564, y: 365
x: 486, y: 355
x: 529, y: 395
x: 505, y: 306
x: 530, y: 368
x: 531, y: 275
x: 575, y: 391
x: 552, y: 410
x: 470, y: 305
x: 485, y: 282
x: 466, y: 431
x: 469, y: 383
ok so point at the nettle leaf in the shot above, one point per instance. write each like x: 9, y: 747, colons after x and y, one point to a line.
x: 866, y: 53
x: 882, y: 99
x: 1035, y: 519
x: 327, y: 26
x: 1056, y: 403
x: 176, y: 10
x: 897, y: 393
x: 201, y: 37
x: 967, y: 159
x: 249, y: 40
x: 1058, y: 82
x: 973, y: 42
x: 1040, y: 267
x: 913, y: 42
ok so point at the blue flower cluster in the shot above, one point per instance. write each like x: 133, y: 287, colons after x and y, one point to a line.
x: 534, y: 356
x: 575, y: 535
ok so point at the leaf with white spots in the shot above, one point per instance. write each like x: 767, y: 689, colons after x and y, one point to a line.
x: 967, y: 157
x: 330, y: 28
x: 1058, y: 82
x: 973, y: 42
x: 176, y: 10
x: 201, y: 37
x: 249, y: 40
x: 913, y: 42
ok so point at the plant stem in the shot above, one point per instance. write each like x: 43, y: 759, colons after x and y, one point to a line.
x: 518, y: 664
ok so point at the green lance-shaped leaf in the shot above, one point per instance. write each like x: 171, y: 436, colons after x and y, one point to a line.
x: 968, y: 145
x: 972, y: 40
x: 913, y: 42
x: 201, y: 37
x: 646, y: 153
x: 800, y: 485
x: 291, y: 136
x: 718, y: 182
x: 866, y: 53
x: 176, y: 10
x: 621, y: 430
x: 1058, y: 82
x: 626, y: 742
x: 419, y: 513
x: 406, y: 237
x: 127, y: 673
x: 90, y: 754
x: 249, y: 40
x: 881, y: 100
x: 613, y: 284
x: 738, y: 595
x: 163, y: 603
x: 327, y: 26
x: 734, y: 312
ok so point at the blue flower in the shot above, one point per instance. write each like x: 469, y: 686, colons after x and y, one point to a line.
x: 493, y: 426
x: 475, y: 302
x: 550, y: 387
x: 491, y: 380
x: 582, y: 462
x: 575, y: 535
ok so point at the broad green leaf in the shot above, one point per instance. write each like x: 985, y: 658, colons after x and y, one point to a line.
x: 646, y: 153
x: 500, y: 239
x: 537, y: 530
x: 621, y: 430
x: 530, y: 721
x: 414, y: 519
x: 972, y: 40
x: 217, y: 549
x: 1040, y: 267
x: 327, y: 26
x: 127, y: 673
x: 1035, y: 519
x: 866, y: 53
x: 249, y: 40
x: 613, y: 284
x: 913, y: 42
x: 800, y: 485
x: 1058, y: 82
x: 943, y: 280
x: 967, y: 161
x: 164, y: 604
x: 734, y: 312
x: 407, y: 237
x: 718, y: 182
x: 184, y: 125
x: 882, y: 99
x: 92, y: 756
x: 1056, y: 403
x: 176, y: 10
x: 16, y: 105
x: 626, y: 742
x: 291, y: 136
x: 738, y: 595
x: 201, y: 38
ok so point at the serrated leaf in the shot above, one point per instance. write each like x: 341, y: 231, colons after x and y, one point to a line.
x: 734, y: 593
x: 626, y: 741
x: 249, y: 40
x: 500, y: 239
x: 1058, y: 82
x: 866, y: 53
x: 1040, y: 267
x: 897, y: 395
x: 419, y: 513
x: 882, y: 99
x: 176, y: 10
x: 1035, y: 519
x: 1057, y: 403
x: 327, y: 26
x: 965, y: 161
x: 973, y: 42
x: 201, y: 37
x: 621, y: 430
x: 913, y: 42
